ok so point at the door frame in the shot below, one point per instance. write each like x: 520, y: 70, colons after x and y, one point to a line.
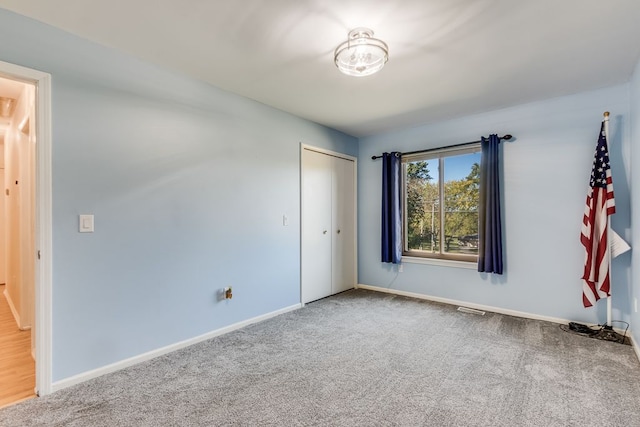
x: 43, y: 220
x: 303, y: 147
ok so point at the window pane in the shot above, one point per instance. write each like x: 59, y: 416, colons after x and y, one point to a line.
x: 461, y: 191
x: 422, y: 206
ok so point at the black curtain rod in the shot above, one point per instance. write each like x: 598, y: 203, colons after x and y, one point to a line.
x: 506, y: 138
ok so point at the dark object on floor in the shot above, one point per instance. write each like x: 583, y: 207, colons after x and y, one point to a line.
x: 601, y: 332
x: 582, y: 329
x: 608, y: 334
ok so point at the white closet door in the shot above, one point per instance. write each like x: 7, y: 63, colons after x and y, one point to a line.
x: 316, y: 225
x: 343, y: 221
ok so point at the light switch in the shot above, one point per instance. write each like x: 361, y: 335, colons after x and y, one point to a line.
x: 86, y: 224
x: 285, y: 220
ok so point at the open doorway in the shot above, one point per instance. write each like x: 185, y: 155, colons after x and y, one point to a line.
x: 25, y: 232
x: 17, y: 240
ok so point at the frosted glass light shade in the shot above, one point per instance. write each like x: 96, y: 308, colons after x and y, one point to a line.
x: 361, y: 55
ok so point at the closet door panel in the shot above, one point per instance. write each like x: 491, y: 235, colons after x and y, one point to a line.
x: 316, y: 256
x: 343, y: 222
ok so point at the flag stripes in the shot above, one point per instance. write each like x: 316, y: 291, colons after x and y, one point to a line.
x: 595, y: 223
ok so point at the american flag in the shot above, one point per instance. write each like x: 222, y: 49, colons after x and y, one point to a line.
x: 594, y: 236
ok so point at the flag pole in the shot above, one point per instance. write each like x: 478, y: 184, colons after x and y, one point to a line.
x: 600, y: 198
x: 607, y: 333
x: 609, y: 304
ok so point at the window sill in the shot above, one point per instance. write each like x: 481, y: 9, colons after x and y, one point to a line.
x: 469, y: 265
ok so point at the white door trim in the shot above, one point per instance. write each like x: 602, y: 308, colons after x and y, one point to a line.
x: 304, y: 146
x: 43, y: 212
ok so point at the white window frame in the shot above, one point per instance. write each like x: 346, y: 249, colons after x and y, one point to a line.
x: 440, y: 257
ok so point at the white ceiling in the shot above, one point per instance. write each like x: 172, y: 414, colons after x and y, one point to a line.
x: 448, y: 58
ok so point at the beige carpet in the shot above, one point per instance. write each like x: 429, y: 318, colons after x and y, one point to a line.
x: 364, y: 359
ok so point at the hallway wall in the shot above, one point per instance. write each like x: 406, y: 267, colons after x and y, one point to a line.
x: 19, y: 222
x: 3, y: 230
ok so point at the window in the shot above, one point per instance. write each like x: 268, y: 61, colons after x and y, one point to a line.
x: 441, y: 197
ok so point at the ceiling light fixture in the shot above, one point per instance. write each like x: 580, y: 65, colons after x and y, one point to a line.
x: 361, y: 55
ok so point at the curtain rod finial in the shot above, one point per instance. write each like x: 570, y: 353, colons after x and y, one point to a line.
x: 507, y: 137
x: 606, y: 114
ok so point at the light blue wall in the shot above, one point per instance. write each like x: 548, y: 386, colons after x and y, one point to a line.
x: 546, y: 174
x: 635, y: 197
x: 188, y: 185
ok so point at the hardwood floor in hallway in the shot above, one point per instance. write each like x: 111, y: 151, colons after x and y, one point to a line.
x: 17, y: 367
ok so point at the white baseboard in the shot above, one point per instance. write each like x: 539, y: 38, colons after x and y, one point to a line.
x: 635, y: 346
x: 465, y: 304
x: 85, y: 376
x: 15, y: 313
x: 482, y: 307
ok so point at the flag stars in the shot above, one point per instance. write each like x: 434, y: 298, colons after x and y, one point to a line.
x: 601, y: 165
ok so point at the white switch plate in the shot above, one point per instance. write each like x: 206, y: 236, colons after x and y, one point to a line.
x: 85, y: 224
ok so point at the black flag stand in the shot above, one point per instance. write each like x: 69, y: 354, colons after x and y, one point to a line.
x: 601, y: 332
x: 607, y: 333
